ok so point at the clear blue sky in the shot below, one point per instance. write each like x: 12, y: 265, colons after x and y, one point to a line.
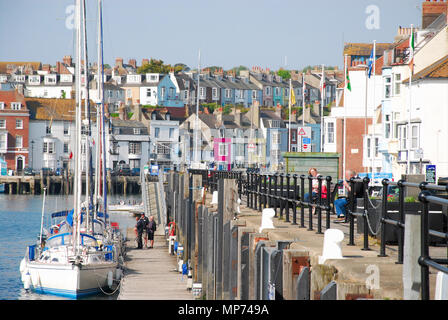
x: 228, y: 33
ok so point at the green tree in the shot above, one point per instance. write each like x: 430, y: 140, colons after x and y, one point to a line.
x: 285, y: 74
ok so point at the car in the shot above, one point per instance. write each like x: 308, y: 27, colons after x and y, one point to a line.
x: 47, y: 171
x: 28, y: 171
x: 121, y: 170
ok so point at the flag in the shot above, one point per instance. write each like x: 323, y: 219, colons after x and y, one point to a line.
x: 370, y: 64
x: 293, y: 97
x: 71, y: 155
x: 349, y: 86
x: 411, y: 51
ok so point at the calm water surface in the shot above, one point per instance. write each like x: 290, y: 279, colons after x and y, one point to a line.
x: 20, y: 218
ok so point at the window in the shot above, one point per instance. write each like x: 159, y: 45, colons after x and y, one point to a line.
x: 65, y: 147
x: 162, y: 92
x: 129, y: 93
x: 377, y: 140
x: 223, y: 150
x: 19, y: 124
x: 19, y: 142
x: 275, y: 123
x: 49, y: 147
x: 16, y: 105
x: 397, y: 84
x: 387, y: 87
x: 277, y: 91
x: 3, y: 141
x: 185, y: 94
x: 387, y: 126
x: 368, y: 147
x: 156, y: 132
x: 402, y: 136
x: 276, y: 138
x: 66, y: 127
x: 214, y: 92
x: 268, y: 91
x: 137, y: 131
x: 228, y: 93
x: 414, y: 137
x: 135, y: 147
x: 34, y: 79
x: 171, y: 93
x: 171, y: 132
x: 254, y: 94
x: 163, y: 148
x: 2, y: 124
x: 330, y: 132
x: 50, y: 79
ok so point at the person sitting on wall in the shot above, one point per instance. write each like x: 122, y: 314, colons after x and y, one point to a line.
x: 342, y: 202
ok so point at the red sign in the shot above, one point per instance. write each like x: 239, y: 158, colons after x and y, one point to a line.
x: 302, y: 132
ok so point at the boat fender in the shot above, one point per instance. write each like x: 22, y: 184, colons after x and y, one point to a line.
x: 110, y: 278
x: 27, y: 282
x: 22, y: 266
x: 118, y: 274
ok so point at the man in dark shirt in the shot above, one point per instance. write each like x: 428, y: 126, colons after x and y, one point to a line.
x: 141, y: 225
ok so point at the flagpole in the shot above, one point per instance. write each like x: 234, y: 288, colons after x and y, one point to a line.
x: 322, y: 97
x: 345, y: 119
x: 411, y: 69
x: 374, y: 115
x: 303, y: 99
x: 289, y: 127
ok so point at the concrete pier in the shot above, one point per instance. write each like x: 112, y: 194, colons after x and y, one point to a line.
x: 151, y: 274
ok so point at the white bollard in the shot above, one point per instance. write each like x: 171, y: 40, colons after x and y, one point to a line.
x: 332, y: 245
x: 214, y: 198
x: 266, y: 219
x: 441, y: 286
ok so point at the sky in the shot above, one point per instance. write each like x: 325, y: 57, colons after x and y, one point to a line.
x: 271, y: 34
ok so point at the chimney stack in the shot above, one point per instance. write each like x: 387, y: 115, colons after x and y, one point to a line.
x: 119, y: 62
x: 133, y: 63
x: 67, y: 60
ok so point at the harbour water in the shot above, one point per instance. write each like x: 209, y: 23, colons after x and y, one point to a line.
x: 20, y: 219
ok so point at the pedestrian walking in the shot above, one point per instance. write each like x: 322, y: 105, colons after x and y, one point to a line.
x: 151, y: 228
x: 145, y: 230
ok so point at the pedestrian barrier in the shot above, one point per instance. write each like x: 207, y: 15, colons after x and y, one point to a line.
x: 285, y: 195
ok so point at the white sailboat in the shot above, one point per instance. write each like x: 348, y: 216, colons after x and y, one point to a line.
x: 82, y: 257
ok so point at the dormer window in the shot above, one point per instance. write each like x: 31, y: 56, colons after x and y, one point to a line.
x: 66, y: 78
x: 50, y: 79
x: 152, y: 77
x: 34, y: 79
x: 16, y: 105
x: 19, y: 78
x: 133, y: 78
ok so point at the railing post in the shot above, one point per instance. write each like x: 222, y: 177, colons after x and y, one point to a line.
x: 366, y: 181
x: 275, y: 194
x: 260, y: 191
x: 270, y: 191
x: 401, y: 218
x: 302, y: 201
x: 319, y: 210
x: 349, y: 212
x: 310, y: 212
x: 265, y: 191
x: 288, y: 180
x: 294, y: 203
x: 424, y: 245
x: 383, y: 216
x: 281, y: 195
x: 240, y: 186
x: 328, y: 206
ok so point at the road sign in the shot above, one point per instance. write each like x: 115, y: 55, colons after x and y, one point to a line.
x: 431, y: 173
x: 306, y: 140
x: 304, y: 131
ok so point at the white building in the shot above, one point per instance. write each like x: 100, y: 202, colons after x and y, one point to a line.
x: 148, y: 89
x: 51, y: 86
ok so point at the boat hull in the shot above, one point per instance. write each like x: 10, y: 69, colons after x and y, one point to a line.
x: 69, y: 280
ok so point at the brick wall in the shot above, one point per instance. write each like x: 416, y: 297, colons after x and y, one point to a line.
x: 354, y: 143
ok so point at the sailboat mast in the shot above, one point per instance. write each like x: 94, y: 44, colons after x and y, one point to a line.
x: 86, y: 117
x: 77, y: 153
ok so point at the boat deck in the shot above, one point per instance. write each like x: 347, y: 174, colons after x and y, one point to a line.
x: 151, y: 273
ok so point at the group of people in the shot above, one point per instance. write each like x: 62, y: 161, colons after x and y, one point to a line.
x: 340, y: 204
x: 144, y: 230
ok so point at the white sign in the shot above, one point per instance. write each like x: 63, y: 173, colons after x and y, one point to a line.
x: 304, y: 136
x: 304, y: 131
